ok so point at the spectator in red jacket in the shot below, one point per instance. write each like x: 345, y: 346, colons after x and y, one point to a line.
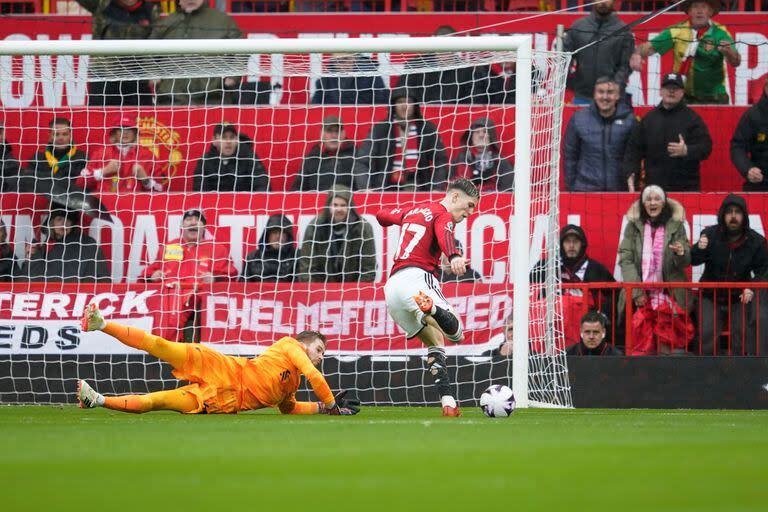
x: 191, y: 258
x: 121, y: 165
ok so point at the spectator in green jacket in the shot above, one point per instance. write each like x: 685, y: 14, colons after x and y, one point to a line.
x: 195, y: 20
x: 120, y: 19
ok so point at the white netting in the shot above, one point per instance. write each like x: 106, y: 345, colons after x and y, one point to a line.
x: 158, y: 136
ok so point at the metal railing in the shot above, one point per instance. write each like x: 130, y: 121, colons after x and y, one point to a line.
x: 719, y: 322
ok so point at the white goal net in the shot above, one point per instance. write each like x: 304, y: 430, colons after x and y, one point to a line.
x: 225, y: 192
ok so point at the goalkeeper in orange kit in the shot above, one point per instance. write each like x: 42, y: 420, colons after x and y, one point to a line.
x: 220, y: 383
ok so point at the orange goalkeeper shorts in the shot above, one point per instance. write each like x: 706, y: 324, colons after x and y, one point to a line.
x: 216, y: 379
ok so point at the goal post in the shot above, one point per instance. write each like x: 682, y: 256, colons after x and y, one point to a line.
x: 516, y: 242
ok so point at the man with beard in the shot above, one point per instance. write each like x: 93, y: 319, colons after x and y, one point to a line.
x: 60, y: 159
x: 731, y: 252
x: 338, y: 244
x: 577, y: 267
x: 700, y: 47
x: 608, y: 58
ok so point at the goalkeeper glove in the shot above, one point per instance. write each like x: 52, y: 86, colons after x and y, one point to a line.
x: 341, y: 407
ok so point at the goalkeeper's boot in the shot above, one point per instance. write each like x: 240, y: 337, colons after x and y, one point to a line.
x: 453, y: 412
x: 87, y: 397
x: 92, y: 319
x: 425, y: 303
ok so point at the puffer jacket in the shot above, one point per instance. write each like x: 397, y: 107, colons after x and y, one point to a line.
x: 594, y: 149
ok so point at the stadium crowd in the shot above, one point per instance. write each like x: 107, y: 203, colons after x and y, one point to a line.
x: 606, y: 149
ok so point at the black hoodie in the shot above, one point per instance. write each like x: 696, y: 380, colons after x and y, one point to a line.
x: 376, y: 154
x: 267, y: 263
x: 744, y: 260
x: 595, y: 272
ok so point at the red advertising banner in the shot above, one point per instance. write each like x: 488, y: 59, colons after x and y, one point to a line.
x: 143, y: 222
x: 749, y: 29
x: 282, y: 135
x: 354, y: 317
x: 236, y: 318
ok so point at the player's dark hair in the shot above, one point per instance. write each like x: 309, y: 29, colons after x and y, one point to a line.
x: 465, y: 186
x: 308, y: 337
x: 592, y: 317
x: 60, y: 120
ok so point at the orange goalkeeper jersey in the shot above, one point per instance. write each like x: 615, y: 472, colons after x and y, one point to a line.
x: 273, y: 378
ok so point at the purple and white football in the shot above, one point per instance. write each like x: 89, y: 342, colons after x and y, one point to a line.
x: 497, y: 401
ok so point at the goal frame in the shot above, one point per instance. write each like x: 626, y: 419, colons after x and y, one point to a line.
x: 521, y: 44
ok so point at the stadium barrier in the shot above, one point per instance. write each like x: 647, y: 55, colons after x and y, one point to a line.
x: 245, y: 318
x: 689, y: 315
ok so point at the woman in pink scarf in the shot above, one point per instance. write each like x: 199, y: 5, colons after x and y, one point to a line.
x: 655, y: 249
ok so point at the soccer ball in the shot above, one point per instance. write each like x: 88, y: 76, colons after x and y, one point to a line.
x: 497, y: 401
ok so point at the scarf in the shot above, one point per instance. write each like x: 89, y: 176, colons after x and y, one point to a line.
x: 574, y: 274
x: 54, y: 162
x: 406, y: 159
x: 653, y: 258
x: 690, y: 51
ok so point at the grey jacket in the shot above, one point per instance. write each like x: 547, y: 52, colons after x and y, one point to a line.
x: 608, y: 58
x: 594, y: 149
x: 673, y: 266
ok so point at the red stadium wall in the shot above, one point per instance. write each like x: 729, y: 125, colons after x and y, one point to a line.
x: 283, y: 135
x: 750, y: 29
x: 143, y: 222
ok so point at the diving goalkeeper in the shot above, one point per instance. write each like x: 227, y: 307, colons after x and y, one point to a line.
x: 222, y: 384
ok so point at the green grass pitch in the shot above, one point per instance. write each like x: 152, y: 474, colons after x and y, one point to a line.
x: 395, y: 459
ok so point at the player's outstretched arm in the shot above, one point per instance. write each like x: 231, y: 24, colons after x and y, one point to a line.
x: 388, y: 217
x: 321, y: 388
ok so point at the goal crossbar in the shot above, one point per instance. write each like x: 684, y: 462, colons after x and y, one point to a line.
x: 262, y: 46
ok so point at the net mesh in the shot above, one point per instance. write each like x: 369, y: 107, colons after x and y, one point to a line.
x: 95, y: 211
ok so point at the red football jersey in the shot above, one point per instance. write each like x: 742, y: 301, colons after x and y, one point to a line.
x: 426, y: 231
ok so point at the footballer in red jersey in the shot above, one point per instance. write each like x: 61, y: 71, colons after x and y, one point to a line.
x: 413, y: 296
